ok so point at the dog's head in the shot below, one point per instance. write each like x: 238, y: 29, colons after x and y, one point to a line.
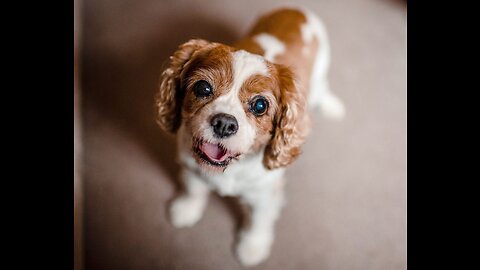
x: 232, y: 103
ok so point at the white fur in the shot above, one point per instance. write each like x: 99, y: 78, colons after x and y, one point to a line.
x: 187, y: 209
x: 271, y: 45
x: 247, y: 178
x: 305, y: 51
x: 308, y: 32
x: 320, y: 94
x: 244, y: 66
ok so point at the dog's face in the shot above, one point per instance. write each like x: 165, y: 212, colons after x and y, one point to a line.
x: 232, y: 103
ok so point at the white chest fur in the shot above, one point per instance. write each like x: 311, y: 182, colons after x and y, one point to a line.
x: 242, y: 177
x: 247, y: 178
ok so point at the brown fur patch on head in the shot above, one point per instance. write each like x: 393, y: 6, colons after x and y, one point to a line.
x: 250, y: 45
x: 265, y: 86
x: 170, y: 95
x: 213, y: 66
x: 291, y: 122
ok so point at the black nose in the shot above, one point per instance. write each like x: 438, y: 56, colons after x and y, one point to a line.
x: 224, y: 125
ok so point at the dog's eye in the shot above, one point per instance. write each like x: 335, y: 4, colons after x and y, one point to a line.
x: 202, y: 89
x: 258, y: 105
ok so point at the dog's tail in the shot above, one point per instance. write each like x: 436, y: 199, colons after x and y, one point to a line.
x: 320, y: 96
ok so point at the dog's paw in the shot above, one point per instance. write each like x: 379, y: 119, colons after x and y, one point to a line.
x: 332, y: 107
x: 253, y: 249
x: 185, y: 211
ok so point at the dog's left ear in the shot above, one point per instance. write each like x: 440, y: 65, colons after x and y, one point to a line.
x: 290, y: 124
x: 169, y: 98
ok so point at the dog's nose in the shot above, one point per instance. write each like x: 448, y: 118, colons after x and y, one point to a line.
x: 224, y: 125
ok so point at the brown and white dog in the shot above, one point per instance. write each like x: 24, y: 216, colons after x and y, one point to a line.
x: 241, y: 116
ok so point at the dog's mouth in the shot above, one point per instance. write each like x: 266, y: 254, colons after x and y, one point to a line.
x: 214, y: 154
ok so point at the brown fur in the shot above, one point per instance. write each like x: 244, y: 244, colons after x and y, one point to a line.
x: 285, y: 25
x: 169, y: 97
x: 214, y: 66
x: 268, y: 88
x: 294, y: 68
x: 284, y: 126
x: 291, y: 125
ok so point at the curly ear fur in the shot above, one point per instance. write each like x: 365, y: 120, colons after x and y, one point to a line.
x: 170, y: 95
x: 291, y: 125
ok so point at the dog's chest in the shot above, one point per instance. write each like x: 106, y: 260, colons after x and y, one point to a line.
x: 245, y: 175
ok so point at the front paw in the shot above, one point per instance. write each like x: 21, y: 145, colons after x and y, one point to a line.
x: 253, y: 248
x: 185, y: 211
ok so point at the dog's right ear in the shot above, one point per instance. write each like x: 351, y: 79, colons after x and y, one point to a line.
x: 169, y: 98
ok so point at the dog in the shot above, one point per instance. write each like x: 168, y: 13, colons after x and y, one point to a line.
x: 241, y: 116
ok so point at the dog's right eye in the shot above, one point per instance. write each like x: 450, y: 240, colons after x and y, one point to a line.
x: 202, y: 89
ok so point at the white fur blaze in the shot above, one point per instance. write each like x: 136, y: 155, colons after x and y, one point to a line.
x: 244, y: 65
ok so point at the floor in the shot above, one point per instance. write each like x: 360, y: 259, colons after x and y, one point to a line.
x: 346, y: 194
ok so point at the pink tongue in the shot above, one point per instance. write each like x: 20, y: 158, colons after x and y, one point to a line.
x: 214, y: 152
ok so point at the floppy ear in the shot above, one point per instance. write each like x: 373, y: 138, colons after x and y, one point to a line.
x: 290, y: 124
x: 169, y: 98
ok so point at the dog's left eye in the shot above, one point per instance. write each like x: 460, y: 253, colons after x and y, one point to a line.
x: 258, y: 105
x: 202, y: 89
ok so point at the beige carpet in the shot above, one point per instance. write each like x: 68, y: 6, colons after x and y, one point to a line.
x: 346, y: 195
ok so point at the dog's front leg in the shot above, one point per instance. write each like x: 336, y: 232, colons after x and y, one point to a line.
x: 255, y: 242
x: 188, y: 208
